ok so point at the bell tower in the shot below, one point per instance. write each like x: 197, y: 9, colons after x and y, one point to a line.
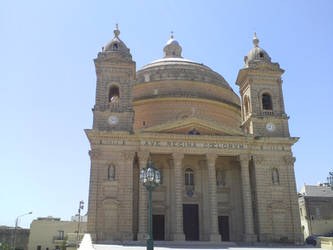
x: 115, y: 72
x: 260, y: 87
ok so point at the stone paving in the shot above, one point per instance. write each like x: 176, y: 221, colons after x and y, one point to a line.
x: 201, y: 247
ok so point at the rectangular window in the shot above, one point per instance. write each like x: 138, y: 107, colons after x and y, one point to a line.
x: 61, y: 235
x: 39, y: 247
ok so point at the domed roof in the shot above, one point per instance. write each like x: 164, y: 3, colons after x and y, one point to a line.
x: 172, y: 41
x: 172, y: 48
x: 257, y: 54
x: 174, y: 67
x: 116, y: 45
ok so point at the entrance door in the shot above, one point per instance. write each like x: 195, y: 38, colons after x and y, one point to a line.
x: 158, y: 227
x: 191, y: 221
x: 224, y: 227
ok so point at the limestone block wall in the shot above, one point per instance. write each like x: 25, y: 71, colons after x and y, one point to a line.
x: 276, y: 203
x: 171, y: 109
x: 110, y: 200
x: 184, y: 88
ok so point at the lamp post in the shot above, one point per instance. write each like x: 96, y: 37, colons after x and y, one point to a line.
x: 16, y: 225
x: 150, y: 178
x: 330, y: 180
x: 78, y: 224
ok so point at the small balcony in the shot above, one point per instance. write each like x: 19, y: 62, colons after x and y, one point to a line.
x: 267, y: 112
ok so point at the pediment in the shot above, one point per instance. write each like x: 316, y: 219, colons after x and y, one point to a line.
x: 204, y: 127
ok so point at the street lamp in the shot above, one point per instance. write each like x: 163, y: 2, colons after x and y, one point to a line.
x: 78, y: 225
x: 16, y: 225
x: 330, y: 180
x: 150, y: 178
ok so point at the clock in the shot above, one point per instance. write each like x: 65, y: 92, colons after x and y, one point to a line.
x: 270, y: 126
x: 113, y: 120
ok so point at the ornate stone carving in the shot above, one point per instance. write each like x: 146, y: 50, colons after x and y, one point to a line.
x: 127, y: 156
x: 258, y: 159
x: 94, y: 154
x: 290, y: 160
x: 244, y: 157
x: 143, y: 158
x: 177, y: 157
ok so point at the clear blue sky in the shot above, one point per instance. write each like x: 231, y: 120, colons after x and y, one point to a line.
x: 47, y: 81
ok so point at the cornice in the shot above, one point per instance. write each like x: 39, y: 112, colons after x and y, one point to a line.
x: 231, y: 106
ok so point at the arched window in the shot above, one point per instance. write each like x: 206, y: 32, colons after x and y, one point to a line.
x: 113, y: 94
x: 189, y: 177
x: 115, y: 46
x: 275, y: 176
x: 111, y: 173
x: 267, y: 102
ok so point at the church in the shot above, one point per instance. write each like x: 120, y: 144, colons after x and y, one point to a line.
x: 226, y: 163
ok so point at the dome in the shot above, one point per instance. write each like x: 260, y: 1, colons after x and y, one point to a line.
x: 172, y: 41
x: 257, y: 54
x: 174, y: 67
x: 179, y: 88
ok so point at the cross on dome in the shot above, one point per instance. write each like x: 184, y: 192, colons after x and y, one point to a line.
x: 255, y: 40
x: 116, y: 31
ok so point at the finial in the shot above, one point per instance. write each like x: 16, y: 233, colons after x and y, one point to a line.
x: 116, y: 31
x: 255, y: 40
x: 171, y: 34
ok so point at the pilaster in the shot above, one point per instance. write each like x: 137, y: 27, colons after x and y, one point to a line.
x: 126, y: 195
x: 178, y: 176
x: 214, y: 234
x: 143, y: 200
x: 247, y: 201
x: 294, y: 207
x: 93, y: 192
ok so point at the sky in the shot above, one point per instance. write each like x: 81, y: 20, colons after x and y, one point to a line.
x: 48, y: 80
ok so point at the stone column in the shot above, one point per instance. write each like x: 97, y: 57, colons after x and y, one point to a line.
x: 247, y: 201
x: 143, y: 200
x: 214, y: 233
x: 179, y: 187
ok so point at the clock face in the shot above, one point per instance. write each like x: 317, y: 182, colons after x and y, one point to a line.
x: 113, y: 120
x: 270, y: 126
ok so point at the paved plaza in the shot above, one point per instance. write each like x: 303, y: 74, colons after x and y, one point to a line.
x: 175, y: 247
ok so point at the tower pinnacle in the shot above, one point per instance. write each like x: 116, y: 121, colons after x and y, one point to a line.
x: 255, y: 40
x: 116, y: 31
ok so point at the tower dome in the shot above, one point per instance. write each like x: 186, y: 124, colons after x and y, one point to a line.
x: 117, y: 46
x: 257, y: 54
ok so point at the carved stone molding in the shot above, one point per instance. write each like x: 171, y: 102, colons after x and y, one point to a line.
x: 143, y: 158
x: 127, y: 156
x: 258, y: 159
x: 94, y: 154
x: 244, y: 157
x: 211, y: 159
x: 290, y: 160
x: 177, y: 157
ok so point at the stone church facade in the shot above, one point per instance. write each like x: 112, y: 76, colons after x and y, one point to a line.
x: 226, y: 162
